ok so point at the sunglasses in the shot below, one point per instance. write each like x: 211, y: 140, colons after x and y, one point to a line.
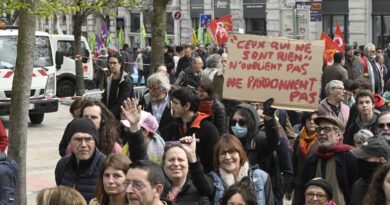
x: 240, y: 122
x: 382, y: 125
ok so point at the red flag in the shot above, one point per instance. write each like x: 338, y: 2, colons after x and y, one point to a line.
x: 219, y: 33
x: 339, y: 38
x: 226, y: 22
x: 330, y: 48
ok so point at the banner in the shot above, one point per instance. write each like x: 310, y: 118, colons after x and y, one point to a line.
x: 219, y: 33
x: 287, y: 70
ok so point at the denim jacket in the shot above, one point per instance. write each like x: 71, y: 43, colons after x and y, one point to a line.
x: 258, y: 180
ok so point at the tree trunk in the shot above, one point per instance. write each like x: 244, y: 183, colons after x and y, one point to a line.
x: 78, y: 20
x: 158, y: 32
x: 20, y: 96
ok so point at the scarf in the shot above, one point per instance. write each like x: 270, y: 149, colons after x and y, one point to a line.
x: 306, y: 141
x: 205, y: 106
x: 228, y: 178
x: 329, y: 152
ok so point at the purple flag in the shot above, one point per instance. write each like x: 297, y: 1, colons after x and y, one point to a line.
x: 105, y: 31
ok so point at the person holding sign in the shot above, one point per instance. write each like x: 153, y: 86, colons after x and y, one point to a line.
x: 260, y: 145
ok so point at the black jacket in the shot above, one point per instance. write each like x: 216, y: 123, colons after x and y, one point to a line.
x: 204, y: 130
x: 218, y: 116
x: 81, y: 177
x: 346, y: 172
x: 169, y: 62
x: 357, y: 125
x: 183, y: 63
x: 188, y: 194
x: 125, y: 90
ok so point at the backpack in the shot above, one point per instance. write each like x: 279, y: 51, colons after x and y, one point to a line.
x: 9, y: 172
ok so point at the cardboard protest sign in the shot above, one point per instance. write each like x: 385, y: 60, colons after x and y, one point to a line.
x: 287, y: 70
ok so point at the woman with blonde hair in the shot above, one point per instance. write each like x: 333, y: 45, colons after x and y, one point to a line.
x: 110, y: 189
x: 60, y: 195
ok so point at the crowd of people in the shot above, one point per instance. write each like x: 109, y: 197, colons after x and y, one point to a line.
x: 182, y: 143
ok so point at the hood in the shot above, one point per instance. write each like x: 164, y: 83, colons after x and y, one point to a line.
x: 253, y: 114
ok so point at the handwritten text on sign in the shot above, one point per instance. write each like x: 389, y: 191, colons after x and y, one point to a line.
x: 262, y: 67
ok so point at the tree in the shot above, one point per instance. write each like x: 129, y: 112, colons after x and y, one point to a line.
x: 81, y: 9
x: 159, y: 24
x: 20, y: 92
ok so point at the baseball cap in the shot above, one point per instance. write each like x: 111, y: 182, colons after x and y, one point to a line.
x: 373, y: 147
x: 333, y: 120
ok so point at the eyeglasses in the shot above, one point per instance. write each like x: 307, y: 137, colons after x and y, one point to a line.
x: 342, y: 89
x: 320, y: 197
x: 79, y: 140
x: 240, y: 122
x: 113, y: 63
x: 382, y: 125
x: 326, y: 129
x: 231, y: 152
x: 137, y: 185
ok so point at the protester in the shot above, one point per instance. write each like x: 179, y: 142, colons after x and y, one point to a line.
x: 264, y: 147
x: 371, y: 70
x: 144, y: 68
x: 353, y: 65
x: 366, y: 118
x: 188, y: 121
x: 202, y: 53
x: 9, y: 172
x: 185, y: 61
x: 141, y: 133
x: 349, y: 95
x: 157, y: 100
x: 168, y: 59
x: 232, y: 166
x: 179, y: 187
x: 361, y: 137
x: 379, y: 189
x: 380, y: 63
x: 74, y: 109
x: 60, y: 195
x: 160, y: 68
x: 332, y: 161
x: 386, y: 94
x: 318, y: 192
x: 336, y: 71
x: 145, y: 183
x: 383, y: 126
x: 119, y: 86
x: 102, y: 70
x: 105, y: 123
x: 128, y: 58
x: 239, y: 194
x: 80, y: 170
x: 3, y: 138
x: 137, y: 140
x: 371, y: 155
x: 213, y: 64
x: 211, y: 106
x: 218, y: 78
x: 333, y: 104
x: 305, y: 145
x: 191, y: 76
x: 110, y: 188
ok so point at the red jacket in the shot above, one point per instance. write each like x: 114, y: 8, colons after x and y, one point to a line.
x: 3, y: 138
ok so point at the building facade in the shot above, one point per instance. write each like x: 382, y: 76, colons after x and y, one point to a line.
x: 360, y: 20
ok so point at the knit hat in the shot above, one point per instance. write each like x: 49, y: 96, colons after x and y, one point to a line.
x: 84, y: 125
x: 333, y: 120
x: 147, y: 121
x: 373, y: 147
x: 378, y: 101
x: 320, y: 182
x: 348, y: 47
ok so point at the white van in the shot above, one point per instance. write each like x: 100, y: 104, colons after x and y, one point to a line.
x: 43, y: 85
x: 66, y: 72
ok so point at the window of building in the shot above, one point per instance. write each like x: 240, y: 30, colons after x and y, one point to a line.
x: 331, y: 20
x: 135, y: 22
x: 195, y: 23
x: 381, y: 30
x: 255, y: 26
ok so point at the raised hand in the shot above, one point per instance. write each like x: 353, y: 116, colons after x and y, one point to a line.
x: 189, y: 145
x: 131, y: 111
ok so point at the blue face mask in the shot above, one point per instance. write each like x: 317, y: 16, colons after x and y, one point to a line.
x: 239, y: 131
